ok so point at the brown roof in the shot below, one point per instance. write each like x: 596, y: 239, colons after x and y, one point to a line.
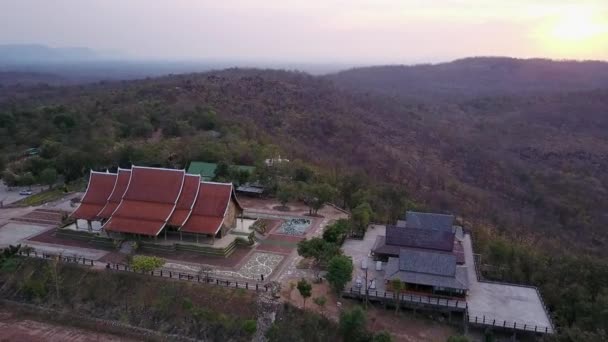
x: 210, y: 207
x: 186, y: 200
x: 154, y: 185
x: 120, y: 186
x: 95, y: 198
x: 148, y: 202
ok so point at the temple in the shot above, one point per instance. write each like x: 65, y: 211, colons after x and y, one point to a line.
x: 148, y: 202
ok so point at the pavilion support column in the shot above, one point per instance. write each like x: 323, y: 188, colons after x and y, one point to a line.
x: 165, y: 234
x: 196, y: 237
x: 89, y: 226
x: 180, y: 235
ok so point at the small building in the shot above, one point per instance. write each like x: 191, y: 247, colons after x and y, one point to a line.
x: 428, y: 271
x: 207, y: 170
x: 251, y: 189
x: 275, y: 161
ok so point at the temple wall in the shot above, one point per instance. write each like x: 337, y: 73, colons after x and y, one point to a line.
x: 231, y: 214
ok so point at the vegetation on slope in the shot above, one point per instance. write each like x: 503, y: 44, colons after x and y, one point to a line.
x: 531, y: 169
x: 181, y: 308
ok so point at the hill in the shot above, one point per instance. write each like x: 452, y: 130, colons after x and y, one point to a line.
x: 36, y: 53
x: 526, y: 172
x: 532, y: 165
x: 473, y: 77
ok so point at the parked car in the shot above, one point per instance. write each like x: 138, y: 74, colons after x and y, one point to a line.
x: 25, y: 192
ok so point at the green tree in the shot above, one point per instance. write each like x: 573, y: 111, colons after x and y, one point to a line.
x: 339, y: 272
x: 27, y: 179
x: 320, y: 301
x: 286, y: 192
x: 319, y: 250
x: 317, y: 195
x: 352, y: 325
x: 397, y: 286
x: 222, y: 171
x: 48, y: 177
x: 305, y: 290
x: 10, y: 179
x: 143, y: 263
x: 361, y: 218
x: 3, y: 164
x: 335, y: 233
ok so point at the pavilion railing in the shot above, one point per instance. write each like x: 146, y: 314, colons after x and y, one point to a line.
x: 486, y: 321
x: 408, y: 298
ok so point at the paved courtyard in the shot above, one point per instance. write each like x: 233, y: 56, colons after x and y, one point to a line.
x: 257, y: 264
x: 14, y: 233
x: 360, y: 250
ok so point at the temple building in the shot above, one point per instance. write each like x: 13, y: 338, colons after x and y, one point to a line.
x: 147, y: 202
x: 424, y: 252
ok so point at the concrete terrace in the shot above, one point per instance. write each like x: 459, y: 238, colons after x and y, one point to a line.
x: 503, y: 304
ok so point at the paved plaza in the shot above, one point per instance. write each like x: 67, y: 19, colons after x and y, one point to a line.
x: 14, y: 233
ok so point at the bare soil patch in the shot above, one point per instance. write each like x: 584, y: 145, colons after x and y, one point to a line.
x: 19, y: 328
x: 403, y: 325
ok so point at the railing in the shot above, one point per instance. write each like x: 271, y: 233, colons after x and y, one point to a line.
x: 198, y: 278
x: 63, y: 258
x: 483, y: 320
x: 184, y: 276
x: 410, y: 298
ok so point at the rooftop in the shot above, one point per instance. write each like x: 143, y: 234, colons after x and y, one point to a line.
x: 207, y: 170
x: 427, y: 268
x: 429, y: 221
x: 419, y: 238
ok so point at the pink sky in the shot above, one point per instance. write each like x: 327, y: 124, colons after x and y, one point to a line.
x: 350, y: 31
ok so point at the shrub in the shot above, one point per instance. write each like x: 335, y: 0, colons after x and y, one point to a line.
x: 143, y: 263
x: 250, y: 326
x: 458, y: 338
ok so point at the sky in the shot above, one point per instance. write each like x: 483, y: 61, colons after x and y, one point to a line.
x: 311, y: 31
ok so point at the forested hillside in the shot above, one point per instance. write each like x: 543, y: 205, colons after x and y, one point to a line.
x: 473, y: 77
x: 527, y: 170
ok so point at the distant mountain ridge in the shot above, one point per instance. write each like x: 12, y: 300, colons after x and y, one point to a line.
x: 37, y: 53
x: 474, y: 77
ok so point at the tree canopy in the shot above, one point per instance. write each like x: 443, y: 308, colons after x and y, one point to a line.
x: 339, y: 272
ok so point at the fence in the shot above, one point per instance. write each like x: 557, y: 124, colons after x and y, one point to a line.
x: 63, y: 258
x: 197, y: 278
x: 509, y: 325
x: 184, y: 276
x: 460, y: 305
